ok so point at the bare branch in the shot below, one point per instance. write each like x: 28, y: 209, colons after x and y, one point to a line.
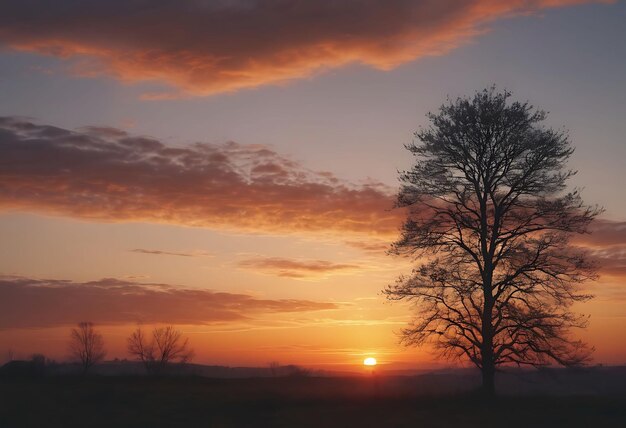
x: 166, y: 346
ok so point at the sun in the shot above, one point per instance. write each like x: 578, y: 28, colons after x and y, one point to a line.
x: 369, y: 361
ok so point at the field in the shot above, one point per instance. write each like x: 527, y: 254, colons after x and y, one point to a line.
x: 109, y: 402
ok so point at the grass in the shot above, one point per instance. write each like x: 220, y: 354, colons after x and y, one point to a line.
x: 282, y: 402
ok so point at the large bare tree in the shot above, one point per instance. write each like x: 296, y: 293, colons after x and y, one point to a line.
x: 167, y: 345
x: 489, y: 219
x: 86, y: 345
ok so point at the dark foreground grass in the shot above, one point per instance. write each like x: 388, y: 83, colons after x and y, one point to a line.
x: 282, y: 402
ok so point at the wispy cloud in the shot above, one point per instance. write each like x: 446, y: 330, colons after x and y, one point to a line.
x: 611, y: 261
x: 294, y: 268
x: 26, y: 302
x: 372, y: 246
x: 606, y: 246
x: 103, y: 173
x: 207, y: 47
x: 170, y: 253
x: 603, y: 233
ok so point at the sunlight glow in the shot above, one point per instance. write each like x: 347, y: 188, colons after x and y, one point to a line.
x: 369, y: 361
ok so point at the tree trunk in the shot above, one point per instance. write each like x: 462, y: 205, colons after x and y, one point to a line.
x: 488, y: 374
x: 487, y: 352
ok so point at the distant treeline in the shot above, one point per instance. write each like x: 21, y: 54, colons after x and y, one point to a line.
x: 38, y: 366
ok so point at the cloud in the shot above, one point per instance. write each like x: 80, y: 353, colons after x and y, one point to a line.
x: 603, y: 233
x: 105, y: 174
x: 606, y: 246
x: 291, y: 268
x: 611, y: 261
x: 168, y: 253
x: 376, y: 246
x: 202, y: 47
x: 26, y: 303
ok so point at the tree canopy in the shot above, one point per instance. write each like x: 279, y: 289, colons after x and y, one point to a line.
x: 490, y: 220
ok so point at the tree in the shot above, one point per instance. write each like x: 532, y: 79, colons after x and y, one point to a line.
x: 166, y: 346
x: 86, y: 345
x: 489, y: 216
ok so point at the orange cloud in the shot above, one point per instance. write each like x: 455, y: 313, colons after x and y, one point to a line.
x: 107, y: 174
x: 291, y: 268
x: 205, y: 47
x: 26, y: 303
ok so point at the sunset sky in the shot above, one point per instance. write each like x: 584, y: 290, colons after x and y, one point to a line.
x: 229, y: 166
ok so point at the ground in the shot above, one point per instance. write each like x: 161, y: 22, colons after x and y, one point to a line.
x: 188, y: 402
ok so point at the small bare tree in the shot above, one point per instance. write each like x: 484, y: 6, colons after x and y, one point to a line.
x: 86, y: 345
x: 489, y: 210
x: 166, y: 346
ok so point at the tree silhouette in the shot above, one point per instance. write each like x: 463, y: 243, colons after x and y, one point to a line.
x: 86, y: 345
x: 166, y: 346
x: 490, y: 218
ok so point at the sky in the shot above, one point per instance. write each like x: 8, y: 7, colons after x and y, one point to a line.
x: 229, y: 166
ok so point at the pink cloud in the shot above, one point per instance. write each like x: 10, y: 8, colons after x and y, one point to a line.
x: 206, y: 47
x: 170, y: 253
x: 293, y: 268
x: 26, y: 302
x: 108, y: 175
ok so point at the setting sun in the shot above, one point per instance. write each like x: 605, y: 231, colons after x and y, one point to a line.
x: 370, y: 361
